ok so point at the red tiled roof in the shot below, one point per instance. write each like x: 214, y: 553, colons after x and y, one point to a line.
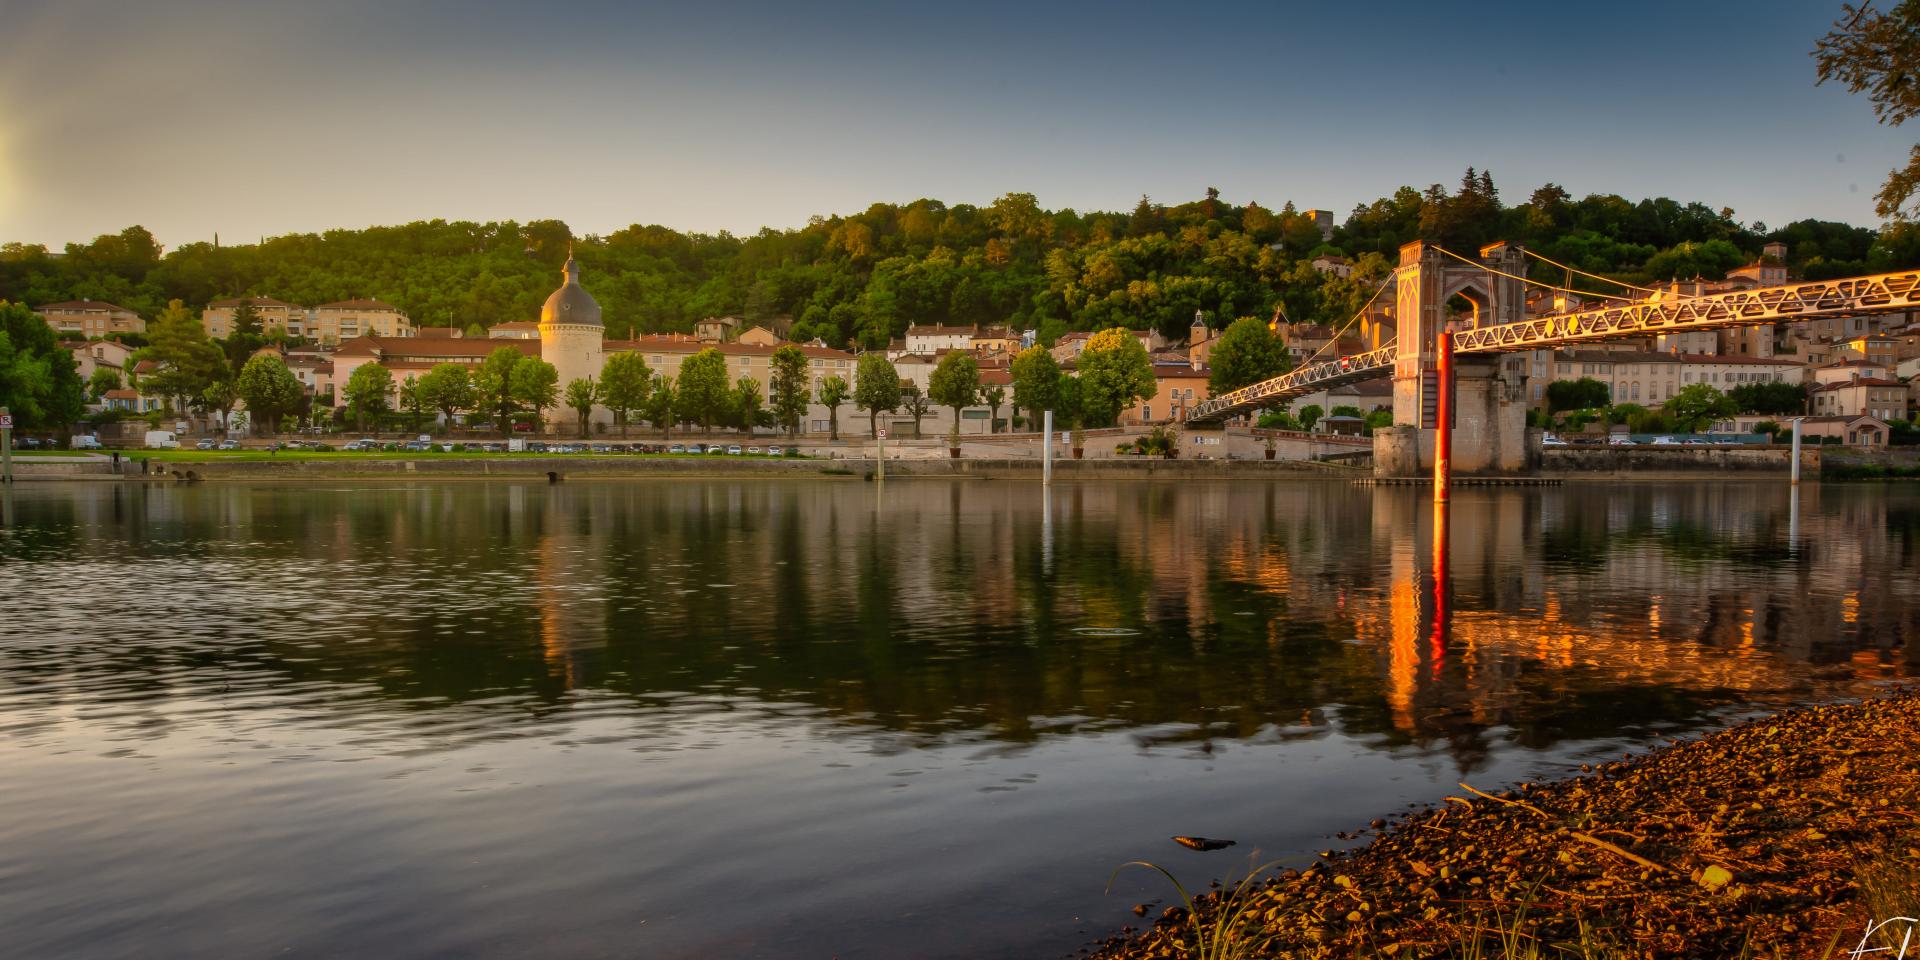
x: 358, y: 304
x: 85, y: 305
x: 1861, y: 382
x: 516, y: 325
x: 121, y: 394
x: 256, y: 301
x: 1716, y: 358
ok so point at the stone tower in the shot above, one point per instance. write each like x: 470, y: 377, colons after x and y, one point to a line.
x: 572, y: 337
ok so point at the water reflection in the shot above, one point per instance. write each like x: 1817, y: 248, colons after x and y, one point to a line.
x: 1021, y: 685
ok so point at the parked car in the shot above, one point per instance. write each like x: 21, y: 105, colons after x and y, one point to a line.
x: 86, y: 441
x: 716, y: 448
x: 1552, y: 441
x: 1621, y: 441
x: 537, y: 446
x: 204, y: 443
x: 229, y: 445
x: 677, y: 448
x: 1665, y: 442
x: 753, y: 451
x: 416, y: 446
x: 162, y: 440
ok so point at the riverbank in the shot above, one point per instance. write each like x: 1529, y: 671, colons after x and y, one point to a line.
x: 1784, y: 836
x: 453, y: 466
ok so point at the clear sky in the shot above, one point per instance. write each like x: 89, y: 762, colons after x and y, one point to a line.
x: 263, y: 117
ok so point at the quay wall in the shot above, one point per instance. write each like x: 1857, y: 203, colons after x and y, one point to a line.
x: 1650, y: 462
x: 576, y: 467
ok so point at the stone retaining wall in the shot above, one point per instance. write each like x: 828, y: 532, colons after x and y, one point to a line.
x: 575, y: 467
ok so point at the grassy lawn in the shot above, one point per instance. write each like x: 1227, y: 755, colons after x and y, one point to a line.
x: 54, y: 453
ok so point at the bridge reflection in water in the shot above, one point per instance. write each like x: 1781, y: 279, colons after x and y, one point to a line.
x: 529, y: 719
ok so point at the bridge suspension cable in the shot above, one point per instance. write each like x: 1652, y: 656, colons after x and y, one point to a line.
x: 1335, y: 339
x: 1595, y: 276
x: 1509, y: 276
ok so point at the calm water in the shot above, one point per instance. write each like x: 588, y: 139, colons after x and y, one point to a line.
x: 814, y: 719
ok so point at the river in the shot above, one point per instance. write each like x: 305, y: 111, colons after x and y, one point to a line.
x: 828, y: 718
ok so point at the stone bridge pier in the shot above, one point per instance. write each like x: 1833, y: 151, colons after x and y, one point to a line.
x: 1437, y: 292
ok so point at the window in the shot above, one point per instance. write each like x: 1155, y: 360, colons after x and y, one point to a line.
x: 1146, y: 411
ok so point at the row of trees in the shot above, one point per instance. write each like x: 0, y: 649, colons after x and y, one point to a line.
x: 1114, y: 372
x: 1693, y: 409
x: 862, y: 278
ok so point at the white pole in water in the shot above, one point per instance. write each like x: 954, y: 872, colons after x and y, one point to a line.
x: 1046, y: 448
x: 1796, y: 451
x: 880, y: 461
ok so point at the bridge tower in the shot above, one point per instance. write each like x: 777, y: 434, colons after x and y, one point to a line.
x: 1436, y: 293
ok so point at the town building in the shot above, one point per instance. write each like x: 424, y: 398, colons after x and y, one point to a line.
x: 1333, y: 265
x: 344, y: 320
x: 1180, y: 385
x: 276, y: 316
x: 1862, y: 396
x: 923, y: 338
x: 93, y: 355
x: 718, y: 329
x: 1856, y: 430
x: 90, y: 319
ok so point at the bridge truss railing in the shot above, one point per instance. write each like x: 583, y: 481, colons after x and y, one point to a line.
x: 1813, y: 300
x: 1307, y: 379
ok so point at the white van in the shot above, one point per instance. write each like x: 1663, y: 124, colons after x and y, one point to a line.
x: 162, y: 440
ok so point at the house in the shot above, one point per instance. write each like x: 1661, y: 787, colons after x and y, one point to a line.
x: 717, y: 329
x: 514, y: 330
x: 1864, y: 396
x: 1333, y: 265
x: 1858, y: 431
x: 759, y: 336
x: 926, y: 338
x: 276, y: 316
x: 996, y: 343
x: 1180, y: 385
x: 90, y: 319
x: 90, y: 356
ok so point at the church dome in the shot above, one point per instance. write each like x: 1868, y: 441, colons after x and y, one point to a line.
x: 571, y: 303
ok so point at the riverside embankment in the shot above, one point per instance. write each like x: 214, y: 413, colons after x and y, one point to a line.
x: 1785, y: 836
x: 582, y: 467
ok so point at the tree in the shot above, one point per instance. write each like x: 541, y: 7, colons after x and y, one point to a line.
x: 955, y: 383
x: 744, y: 403
x: 580, y: 397
x: 1774, y: 397
x: 245, y: 337
x: 660, y: 404
x: 994, y: 397
x: 876, y: 388
x: 39, y: 381
x: 702, y: 387
x: 1585, y: 393
x: 493, y: 386
x: 833, y: 393
x: 916, y: 404
x: 187, y: 360
x: 1696, y: 406
x: 270, y: 390
x: 412, y: 402
x: 447, y: 388
x: 1246, y: 353
x: 103, y: 380
x: 536, y: 386
x: 1310, y: 415
x: 1036, y: 381
x: 626, y: 384
x: 1114, y: 374
x: 1879, y: 53
x: 789, y: 388
x: 368, y: 391
x: 219, y: 397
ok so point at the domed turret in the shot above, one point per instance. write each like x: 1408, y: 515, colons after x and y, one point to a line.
x: 571, y: 303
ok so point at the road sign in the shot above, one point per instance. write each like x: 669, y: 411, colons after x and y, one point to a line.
x: 6, y: 421
x: 883, y: 434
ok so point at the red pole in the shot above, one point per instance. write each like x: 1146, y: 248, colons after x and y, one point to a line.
x: 1443, y: 420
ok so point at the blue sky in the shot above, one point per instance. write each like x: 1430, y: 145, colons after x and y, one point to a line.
x: 261, y: 118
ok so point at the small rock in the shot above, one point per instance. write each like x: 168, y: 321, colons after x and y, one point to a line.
x: 1202, y: 843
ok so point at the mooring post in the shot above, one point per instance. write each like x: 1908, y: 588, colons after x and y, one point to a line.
x: 880, y: 461
x: 6, y: 445
x: 1796, y: 451
x: 1046, y: 449
x: 1443, y: 419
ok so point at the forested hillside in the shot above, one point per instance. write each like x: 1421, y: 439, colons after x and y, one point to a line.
x: 863, y: 278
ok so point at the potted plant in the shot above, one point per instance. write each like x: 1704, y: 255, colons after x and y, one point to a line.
x: 1269, y: 445
x: 953, y: 442
x: 1078, y: 437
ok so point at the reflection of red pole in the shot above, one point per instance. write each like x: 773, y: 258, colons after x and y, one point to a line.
x: 1443, y: 420
x: 1440, y: 615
